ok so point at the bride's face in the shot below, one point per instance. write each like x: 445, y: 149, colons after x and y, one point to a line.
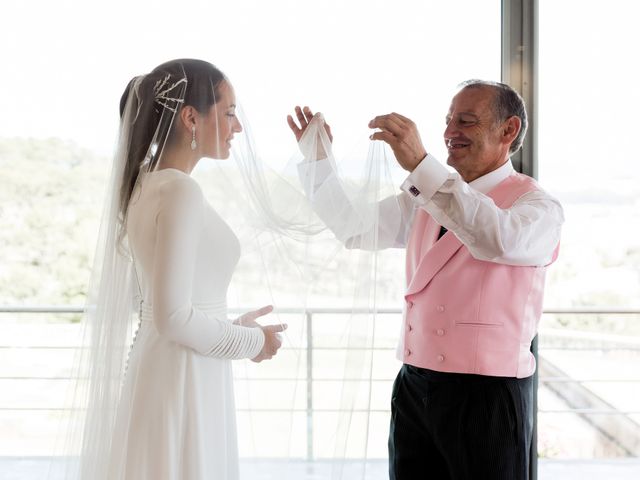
x: 220, y: 124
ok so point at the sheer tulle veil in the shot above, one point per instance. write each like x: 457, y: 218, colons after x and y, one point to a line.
x: 289, y: 259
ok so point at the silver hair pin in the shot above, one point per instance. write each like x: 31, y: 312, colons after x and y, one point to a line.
x: 162, y: 90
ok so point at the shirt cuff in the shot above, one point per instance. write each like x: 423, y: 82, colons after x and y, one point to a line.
x: 257, y: 342
x: 425, y: 180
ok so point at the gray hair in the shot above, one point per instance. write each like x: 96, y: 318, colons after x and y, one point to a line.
x: 506, y: 103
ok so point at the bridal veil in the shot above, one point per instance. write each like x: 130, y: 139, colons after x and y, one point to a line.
x: 318, y: 263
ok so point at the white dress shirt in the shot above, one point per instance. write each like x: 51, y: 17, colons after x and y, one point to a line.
x: 525, y: 234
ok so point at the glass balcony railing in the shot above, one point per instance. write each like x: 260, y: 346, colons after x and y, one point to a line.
x: 588, y: 407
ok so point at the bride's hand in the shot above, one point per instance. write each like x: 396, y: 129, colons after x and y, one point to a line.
x: 272, y: 342
x: 249, y: 318
x: 304, y: 116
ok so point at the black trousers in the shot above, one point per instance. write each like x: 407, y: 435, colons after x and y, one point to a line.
x: 454, y: 426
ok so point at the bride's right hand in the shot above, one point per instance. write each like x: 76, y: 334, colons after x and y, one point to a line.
x: 272, y: 342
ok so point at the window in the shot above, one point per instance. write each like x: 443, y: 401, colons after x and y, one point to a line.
x: 66, y: 66
x: 587, y: 158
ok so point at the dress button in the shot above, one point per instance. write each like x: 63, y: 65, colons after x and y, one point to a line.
x: 407, y: 352
x: 409, y: 304
x: 440, y: 308
x: 409, y: 328
x: 441, y: 358
x: 440, y: 332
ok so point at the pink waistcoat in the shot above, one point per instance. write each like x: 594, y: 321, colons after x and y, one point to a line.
x: 466, y: 315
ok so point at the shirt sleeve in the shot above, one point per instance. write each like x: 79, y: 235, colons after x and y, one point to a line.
x: 372, y: 226
x: 179, y: 224
x: 525, y: 234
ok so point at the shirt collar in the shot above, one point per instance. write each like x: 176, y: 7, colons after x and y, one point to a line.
x: 489, y: 181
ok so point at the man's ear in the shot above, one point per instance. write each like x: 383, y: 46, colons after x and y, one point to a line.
x: 510, y: 129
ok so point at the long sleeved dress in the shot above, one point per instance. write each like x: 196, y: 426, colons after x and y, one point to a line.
x: 176, y: 418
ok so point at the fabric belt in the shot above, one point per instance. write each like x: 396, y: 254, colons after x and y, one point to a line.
x: 211, y: 309
x: 452, y: 377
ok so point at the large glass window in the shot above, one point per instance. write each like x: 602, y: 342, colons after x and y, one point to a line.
x: 65, y: 66
x: 588, y: 159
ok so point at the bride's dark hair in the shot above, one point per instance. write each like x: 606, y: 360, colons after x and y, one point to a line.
x: 202, y: 83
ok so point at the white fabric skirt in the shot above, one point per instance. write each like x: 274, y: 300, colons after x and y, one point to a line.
x: 176, y: 418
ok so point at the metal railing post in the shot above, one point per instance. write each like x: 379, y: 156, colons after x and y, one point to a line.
x: 309, y: 378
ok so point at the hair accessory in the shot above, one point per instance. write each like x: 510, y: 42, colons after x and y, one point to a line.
x: 162, y: 90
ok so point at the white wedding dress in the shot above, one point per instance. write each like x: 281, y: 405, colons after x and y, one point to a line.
x: 176, y: 417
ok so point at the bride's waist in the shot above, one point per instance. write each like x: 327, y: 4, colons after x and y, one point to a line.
x: 213, y: 309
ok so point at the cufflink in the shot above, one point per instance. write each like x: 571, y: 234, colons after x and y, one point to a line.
x: 414, y: 191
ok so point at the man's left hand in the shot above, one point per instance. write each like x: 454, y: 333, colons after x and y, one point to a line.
x: 402, y: 136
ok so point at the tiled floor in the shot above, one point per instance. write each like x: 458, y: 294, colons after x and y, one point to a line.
x: 35, y: 468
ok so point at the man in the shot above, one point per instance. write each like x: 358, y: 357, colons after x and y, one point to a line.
x: 477, y: 246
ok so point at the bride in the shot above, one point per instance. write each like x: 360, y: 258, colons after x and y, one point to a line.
x: 163, y: 407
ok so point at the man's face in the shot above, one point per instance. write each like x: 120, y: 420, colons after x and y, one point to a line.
x: 473, y: 136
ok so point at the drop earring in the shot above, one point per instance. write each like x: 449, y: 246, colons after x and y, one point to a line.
x: 194, y: 145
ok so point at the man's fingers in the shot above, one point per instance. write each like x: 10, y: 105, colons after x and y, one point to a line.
x: 385, y: 137
x: 403, y: 118
x: 305, y: 116
x: 388, y: 122
x: 301, y: 118
x: 328, y: 129
x: 292, y: 125
x: 308, y: 114
x: 379, y: 120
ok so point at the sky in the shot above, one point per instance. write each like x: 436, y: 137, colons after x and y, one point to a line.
x: 589, y: 102
x: 66, y: 63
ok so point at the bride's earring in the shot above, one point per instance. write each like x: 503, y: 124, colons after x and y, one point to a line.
x: 194, y: 145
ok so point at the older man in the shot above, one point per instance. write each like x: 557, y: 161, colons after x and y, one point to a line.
x: 477, y: 246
